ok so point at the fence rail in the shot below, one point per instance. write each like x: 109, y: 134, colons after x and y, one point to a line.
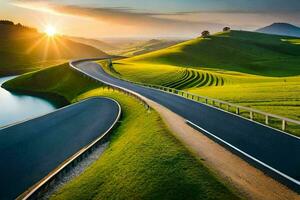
x: 114, y: 87
x: 230, y: 107
x: 37, y: 190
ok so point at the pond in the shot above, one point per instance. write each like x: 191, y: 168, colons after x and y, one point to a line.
x: 19, y: 107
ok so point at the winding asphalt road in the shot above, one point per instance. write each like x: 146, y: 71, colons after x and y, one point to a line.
x: 268, y: 149
x: 32, y: 149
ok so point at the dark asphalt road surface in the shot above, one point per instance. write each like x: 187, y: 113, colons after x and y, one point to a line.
x: 32, y: 149
x: 270, y: 150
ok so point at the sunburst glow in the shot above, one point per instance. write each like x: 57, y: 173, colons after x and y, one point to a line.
x: 50, y: 31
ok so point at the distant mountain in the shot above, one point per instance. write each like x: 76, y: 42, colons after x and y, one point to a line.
x: 94, y: 43
x: 281, y: 29
x: 24, y: 49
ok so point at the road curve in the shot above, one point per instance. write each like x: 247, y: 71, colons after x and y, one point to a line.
x: 268, y: 149
x: 30, y: 150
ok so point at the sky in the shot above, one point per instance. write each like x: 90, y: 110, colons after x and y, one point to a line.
x: 148, y: 19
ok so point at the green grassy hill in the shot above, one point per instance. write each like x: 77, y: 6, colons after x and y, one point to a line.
x: 23, y: 49
x: 252, y: 69
x: 240, y: 51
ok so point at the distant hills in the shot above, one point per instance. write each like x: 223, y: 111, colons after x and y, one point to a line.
x: 281, y: 29
x: 135, y: 48
x: 126, y: 47
x: 24, y: 49
x: 94, y: 43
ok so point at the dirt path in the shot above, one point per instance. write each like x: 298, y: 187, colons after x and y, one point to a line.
x: 250, y: 182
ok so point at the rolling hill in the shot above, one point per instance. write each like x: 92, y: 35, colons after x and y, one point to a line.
x: 281, y: 29
x: 252, y: 69
x: 24, y: 49
x: 240, y: 51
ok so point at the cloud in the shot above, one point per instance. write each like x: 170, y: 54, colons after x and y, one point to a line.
x: 116, y: 15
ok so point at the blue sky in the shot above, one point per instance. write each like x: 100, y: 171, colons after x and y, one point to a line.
x: 196, y: 5
x: 154, y: 18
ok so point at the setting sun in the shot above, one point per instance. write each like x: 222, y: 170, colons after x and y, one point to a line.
x: 50, y: 30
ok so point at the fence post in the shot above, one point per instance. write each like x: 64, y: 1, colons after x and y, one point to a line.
x: 267, y: 120
x: 251, y: 115
x: 237, y: 111
x: 283, y: 125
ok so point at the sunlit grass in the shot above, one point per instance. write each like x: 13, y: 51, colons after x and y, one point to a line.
x: 143, y: 161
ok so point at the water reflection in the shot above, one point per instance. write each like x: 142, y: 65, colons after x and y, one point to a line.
x: 16, y: 107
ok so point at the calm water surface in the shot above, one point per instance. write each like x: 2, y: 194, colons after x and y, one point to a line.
x: 15, y: 107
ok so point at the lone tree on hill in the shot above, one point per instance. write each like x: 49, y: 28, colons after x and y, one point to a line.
x: 226, y: 29
x: 205, y: 34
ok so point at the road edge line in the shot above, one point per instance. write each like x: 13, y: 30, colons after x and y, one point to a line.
x: 245, y: 154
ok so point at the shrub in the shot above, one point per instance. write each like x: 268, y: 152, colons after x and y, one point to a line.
x: 226, y: 29
x: 205, y: 34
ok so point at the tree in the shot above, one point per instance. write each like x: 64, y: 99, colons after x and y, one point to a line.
x: 226, y: 29
x: 6, y: 22
x: 205, y: 34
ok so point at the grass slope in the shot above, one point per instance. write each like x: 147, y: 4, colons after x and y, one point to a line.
x: 240, y: 51
x: 60, y: 80
x: 143, y: 160
x: 218, y: 67
x: 23, y: 50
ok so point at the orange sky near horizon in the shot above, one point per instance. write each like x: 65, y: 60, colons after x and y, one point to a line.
x: 112, y: 22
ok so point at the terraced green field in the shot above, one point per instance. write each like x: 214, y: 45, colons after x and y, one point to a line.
x: 168, y: 76
x: 193, y: 78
